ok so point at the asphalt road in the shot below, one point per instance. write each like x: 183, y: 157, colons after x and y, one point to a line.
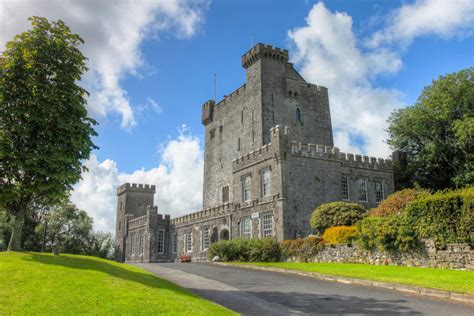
x: 252, y: 292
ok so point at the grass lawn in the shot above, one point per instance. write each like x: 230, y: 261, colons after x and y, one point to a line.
x: 442, y: 279
x: 34, y: 283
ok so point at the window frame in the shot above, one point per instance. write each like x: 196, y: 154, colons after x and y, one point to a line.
x: 245, y: 189
x: 161, y: 242
x: 225, y: 189
x: 187, y: 235
x: 364, y: 182
x: 382, y: 186
x: 246, y: 232
x: 265, y: 191
x: 346, y: 197
x: 267, y: 219
x: 174, y: 242
x: 205, y: 229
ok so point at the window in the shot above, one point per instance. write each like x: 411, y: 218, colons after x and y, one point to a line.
x: 246, y: 228
x: 267, y: 225
x: 161, y: 241
x: 345, y: 187
x: 205, y: 238
x: 140, y: 243
x: 379, y: 194
x: 221, y: 129
x: 362, y: 187
x: 246, y: 188
x: 298, y: 116
x: 212, y: 133
x: 238, y: 144
x: 242, y: 117
x: 188, y: 242
x: 265, y: 181
x: 253, y: 136
x: 174, y: 242
x: 225, y: 194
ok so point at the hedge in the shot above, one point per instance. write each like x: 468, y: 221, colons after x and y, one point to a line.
x: 302, y: 248
x: 336, y: 214
x: 340, y: 234
x: 445, y: 216
x: 396, y: 203
x: 253, y: 250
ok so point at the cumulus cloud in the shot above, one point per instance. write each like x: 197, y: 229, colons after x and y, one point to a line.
x: 178, y: 179
x: 438, y: 17
x: 113, y: 31
x: 329, y: 53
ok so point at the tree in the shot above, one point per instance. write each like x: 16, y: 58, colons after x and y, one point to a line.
x: 437, y: 133
x: 45, y: 132
x: 67, y: 227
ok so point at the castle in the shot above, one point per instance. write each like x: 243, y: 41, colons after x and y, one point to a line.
x: 269, y: 161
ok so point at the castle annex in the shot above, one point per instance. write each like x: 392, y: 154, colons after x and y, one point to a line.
x: 269, y: 161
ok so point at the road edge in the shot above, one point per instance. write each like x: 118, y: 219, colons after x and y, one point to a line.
x: 440, y: 294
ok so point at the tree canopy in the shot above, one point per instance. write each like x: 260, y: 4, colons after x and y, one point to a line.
x: 437, y: 133
x: 45, y: 132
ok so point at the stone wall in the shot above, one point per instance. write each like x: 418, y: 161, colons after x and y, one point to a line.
x: 455, y: 256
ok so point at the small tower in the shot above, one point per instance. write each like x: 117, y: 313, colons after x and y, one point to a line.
x: 132, y: 201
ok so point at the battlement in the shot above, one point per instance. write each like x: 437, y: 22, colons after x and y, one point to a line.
x: 262, y: 51
x: 208, y: 112
x: 347, y: 159
x: 138, y: 188
x: 212, y: 212
x: 137, y: 222
x: 254, y: 156
x: 232, y: 94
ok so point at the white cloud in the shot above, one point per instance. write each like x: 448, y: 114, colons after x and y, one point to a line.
x: 178, y: 179
x: 437, y: 17
x: 329, y: 53
x: 113, y: 31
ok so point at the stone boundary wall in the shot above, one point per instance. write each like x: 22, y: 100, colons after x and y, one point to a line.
x: 455, y: 256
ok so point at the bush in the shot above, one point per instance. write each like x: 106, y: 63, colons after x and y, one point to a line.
x: 340, y: 234
x: 253, y: 250
x: 389, y: 233
x: 302, y: 248
x: 446, y: 216
x: 336, y: 214
x: 396, y: 203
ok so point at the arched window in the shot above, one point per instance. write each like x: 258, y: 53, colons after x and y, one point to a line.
x: 298, y: 116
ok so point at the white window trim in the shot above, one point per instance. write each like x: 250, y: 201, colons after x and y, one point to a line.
x: 242, y: 232
x: 186, y: 250
x: 348, y: 189
x: 263, y: 225
x: 162, y: 242
x: 382, y: 183
x: 242, y: 180
x: 366, y: 193
x: 262, y: 172
x: 174, y: 242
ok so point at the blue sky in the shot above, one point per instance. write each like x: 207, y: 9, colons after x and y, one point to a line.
x: 153, y: 63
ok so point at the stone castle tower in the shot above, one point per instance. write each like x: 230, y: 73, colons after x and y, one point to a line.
x: 274, y: 94
x: 269, y: 160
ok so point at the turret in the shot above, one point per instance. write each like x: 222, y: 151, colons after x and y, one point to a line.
x: 208, y: 112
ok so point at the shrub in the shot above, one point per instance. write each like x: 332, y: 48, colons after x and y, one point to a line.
x: 340, y: 234
x: 254, y: 250
x: 389, y: 233
x: 445, y: 216
x: 302, y: 248
x: 336, y: 214
x: 396, y: 203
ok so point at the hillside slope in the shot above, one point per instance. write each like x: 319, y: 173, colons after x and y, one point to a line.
x: 36, y: 283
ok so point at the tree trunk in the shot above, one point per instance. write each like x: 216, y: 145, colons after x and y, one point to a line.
x: 17, y: 233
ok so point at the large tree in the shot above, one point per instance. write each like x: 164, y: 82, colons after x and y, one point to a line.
x: 437, y: 133
x: 45, y: 132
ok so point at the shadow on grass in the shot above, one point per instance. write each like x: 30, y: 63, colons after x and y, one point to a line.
x: 113, y: 269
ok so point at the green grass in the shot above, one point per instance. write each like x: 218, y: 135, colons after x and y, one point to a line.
x: 34, y: 283
x: 441, y: 279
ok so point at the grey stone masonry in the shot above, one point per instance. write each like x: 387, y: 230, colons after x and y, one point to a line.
x: 269, y: 161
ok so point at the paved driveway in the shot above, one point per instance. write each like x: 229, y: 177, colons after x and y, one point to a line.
x: 251, y: 292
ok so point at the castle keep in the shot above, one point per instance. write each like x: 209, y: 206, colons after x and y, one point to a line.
x: 269, y: 160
